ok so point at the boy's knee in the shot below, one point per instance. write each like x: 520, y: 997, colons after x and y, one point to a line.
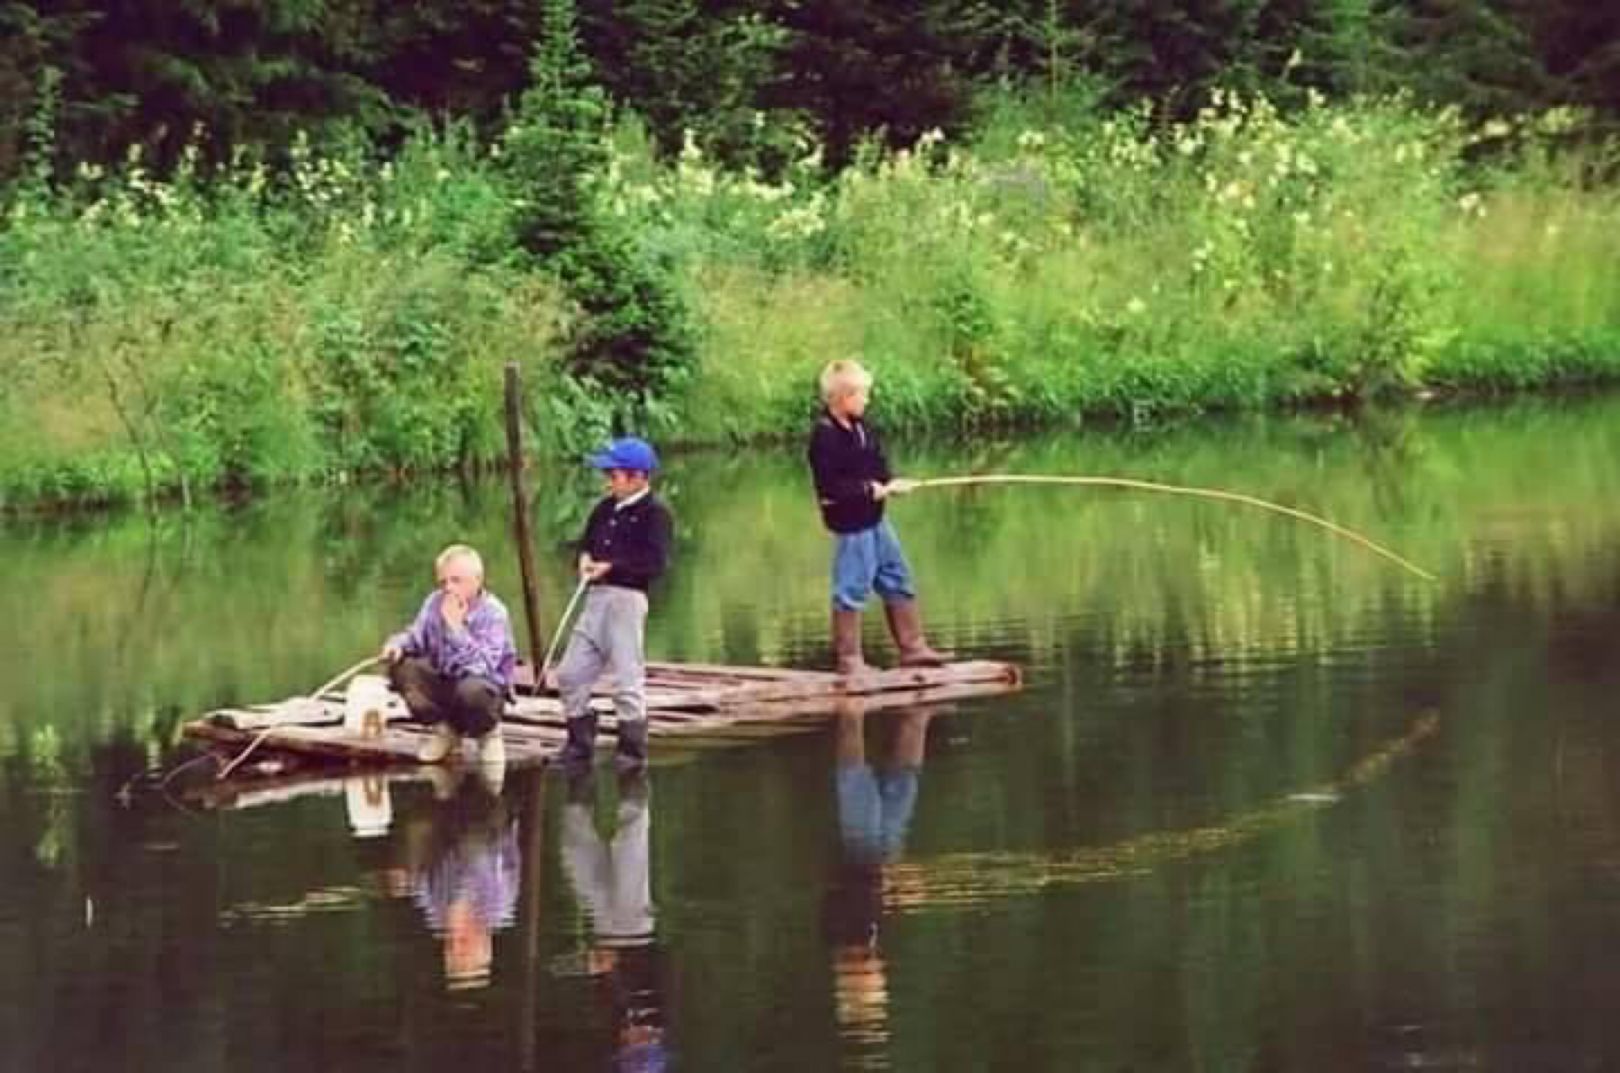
x: 478, y: 694
x: 845, y: 601
x: 572, y: 675
x: 407, y: 672
x: 896, y: 590
x: 413, y: 680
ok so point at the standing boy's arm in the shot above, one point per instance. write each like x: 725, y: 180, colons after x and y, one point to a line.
x: 875, y: 444
x: 582, y: 546
x: 643, y: 560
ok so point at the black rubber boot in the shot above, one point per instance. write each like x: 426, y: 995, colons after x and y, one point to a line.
x: 580, y: 749
x: 632, y: 751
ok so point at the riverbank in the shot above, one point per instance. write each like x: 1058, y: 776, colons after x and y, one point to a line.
x: 168, y: 336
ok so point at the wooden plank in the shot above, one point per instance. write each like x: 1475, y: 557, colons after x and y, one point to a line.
x: 723, y: 670
x: 397, y: 745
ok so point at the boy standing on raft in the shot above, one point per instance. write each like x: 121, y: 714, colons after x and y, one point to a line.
x: 624, y: 548
x: 852, y: 481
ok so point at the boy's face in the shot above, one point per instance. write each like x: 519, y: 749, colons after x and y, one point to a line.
x: 458, y: 576
x: 624, y: 483
x: 851, y: 400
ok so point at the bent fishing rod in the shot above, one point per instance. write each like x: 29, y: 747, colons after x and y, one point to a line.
x: 1170, y: 489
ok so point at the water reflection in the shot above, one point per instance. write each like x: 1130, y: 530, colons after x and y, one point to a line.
x: 1263, y: 804
x: 611, y: 877
x: 460, y: 866
x: 875, y: 804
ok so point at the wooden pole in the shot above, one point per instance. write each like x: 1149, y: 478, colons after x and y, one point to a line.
x: 520, y: 518
x: 534, y: 824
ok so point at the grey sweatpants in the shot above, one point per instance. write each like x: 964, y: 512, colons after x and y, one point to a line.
x: 609, y: 636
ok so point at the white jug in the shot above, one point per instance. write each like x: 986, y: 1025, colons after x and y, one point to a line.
x: 366, y: 704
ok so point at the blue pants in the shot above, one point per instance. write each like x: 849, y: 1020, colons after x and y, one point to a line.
x: 867, y: 560
x: 874, y: 810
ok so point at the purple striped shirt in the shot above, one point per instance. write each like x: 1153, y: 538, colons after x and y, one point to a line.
x: 481, y: 648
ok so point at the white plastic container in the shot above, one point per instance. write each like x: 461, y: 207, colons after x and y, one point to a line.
x: 366, y: 705
x: 370, y: 805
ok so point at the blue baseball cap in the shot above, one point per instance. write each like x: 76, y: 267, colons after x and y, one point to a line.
x: 626, y: 453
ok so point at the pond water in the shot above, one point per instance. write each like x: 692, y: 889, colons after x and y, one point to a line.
x: 1267, y: 802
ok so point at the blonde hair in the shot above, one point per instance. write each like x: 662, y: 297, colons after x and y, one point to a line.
x: 843, y: 375
x: 459, y: 551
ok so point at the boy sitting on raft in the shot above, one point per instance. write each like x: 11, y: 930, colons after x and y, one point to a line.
x: 453, y: 664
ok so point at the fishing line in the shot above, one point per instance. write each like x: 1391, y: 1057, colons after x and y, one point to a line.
x: 1185, y: 490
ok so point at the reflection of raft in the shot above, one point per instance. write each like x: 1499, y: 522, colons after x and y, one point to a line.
x: 689, y: 701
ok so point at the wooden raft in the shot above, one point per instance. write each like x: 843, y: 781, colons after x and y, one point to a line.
x: 698, y: 703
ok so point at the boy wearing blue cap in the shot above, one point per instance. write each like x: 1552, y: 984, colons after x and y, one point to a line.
x: 624, y: 548
x: 852, y: 481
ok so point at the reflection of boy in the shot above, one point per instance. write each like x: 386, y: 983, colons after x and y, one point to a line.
x: 468, y: 888
x: 612, y: 880
x: 874, y: 811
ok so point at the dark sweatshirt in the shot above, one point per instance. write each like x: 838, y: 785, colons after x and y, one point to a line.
x: 634, y: 538
x: 845, y: 463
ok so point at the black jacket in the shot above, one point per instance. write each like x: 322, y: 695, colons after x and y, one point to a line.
x: 845, y: 463
x: 635, y: 540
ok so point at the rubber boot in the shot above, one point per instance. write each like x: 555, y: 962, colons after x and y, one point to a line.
x: 905, y: 625
x: 631, y: 754
x: 444, y: 741
x: 846, y: 631
x: 580, y: 749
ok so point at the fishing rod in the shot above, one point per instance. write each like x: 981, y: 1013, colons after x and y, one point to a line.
x: 556, y: 638
x: 1173, y: 489
x: 347, y: 673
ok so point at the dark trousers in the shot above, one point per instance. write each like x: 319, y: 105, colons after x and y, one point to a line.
x: 472, y: 706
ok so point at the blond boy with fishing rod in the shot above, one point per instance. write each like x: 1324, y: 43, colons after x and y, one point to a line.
x: 853, y: 482
x: 623, y: 550
x: 453, y: 664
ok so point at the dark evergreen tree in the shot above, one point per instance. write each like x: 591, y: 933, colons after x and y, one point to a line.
x: 467, y: 59
x: 863, y: 66
x: 631, y: 336
x: 1476, y: 54
x: 1579, y: 45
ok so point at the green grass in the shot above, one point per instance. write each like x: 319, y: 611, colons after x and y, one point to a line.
x: 352, y: 316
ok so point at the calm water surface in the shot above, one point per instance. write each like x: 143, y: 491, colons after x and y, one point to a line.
x: 1266, y: 803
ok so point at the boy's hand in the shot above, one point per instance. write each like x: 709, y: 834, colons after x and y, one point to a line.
x: 392, y: 653
x: 453, y: 609
x: 897, y: 487
x: 592, y: 570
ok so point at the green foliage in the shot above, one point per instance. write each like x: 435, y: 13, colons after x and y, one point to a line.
x: 177, y: 335
x: 351, y: 315
x: 630, y: 337
x: 1113, y: 264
